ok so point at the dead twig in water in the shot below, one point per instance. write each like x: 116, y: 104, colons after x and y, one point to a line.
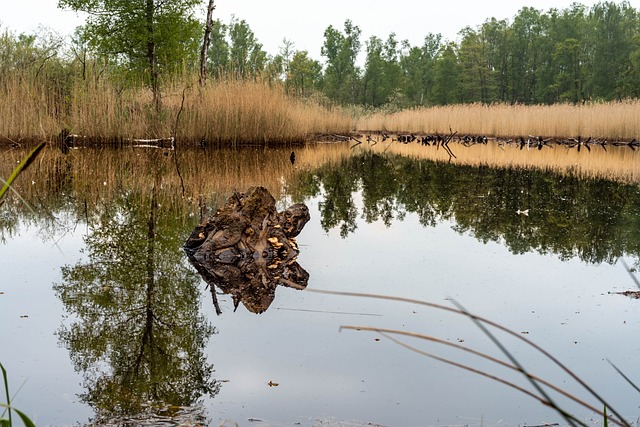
x: 482, y: 323
x: 445, y: 144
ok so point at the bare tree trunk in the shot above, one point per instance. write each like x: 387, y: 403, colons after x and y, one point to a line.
x: 205, y: 43
x: 151, y: 52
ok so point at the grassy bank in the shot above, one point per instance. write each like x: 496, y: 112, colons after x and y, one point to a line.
x: 611, y: 121
x: 37, y: 106
x: 222, y: 111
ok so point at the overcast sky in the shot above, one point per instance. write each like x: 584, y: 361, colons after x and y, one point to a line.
x: 304, y: 22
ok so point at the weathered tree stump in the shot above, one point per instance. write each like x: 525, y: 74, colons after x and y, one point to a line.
x: 248, y: 248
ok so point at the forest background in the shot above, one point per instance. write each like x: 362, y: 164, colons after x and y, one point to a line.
x: 574, y: 55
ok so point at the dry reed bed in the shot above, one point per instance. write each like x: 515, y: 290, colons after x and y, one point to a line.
x: 619, y: 164
x: 610, y: 121
x: 223, y: 111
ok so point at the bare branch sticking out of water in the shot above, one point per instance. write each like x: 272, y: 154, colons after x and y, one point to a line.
x: 358, y: 142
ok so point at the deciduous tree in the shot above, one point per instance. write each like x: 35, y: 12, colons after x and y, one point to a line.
x: 147, y: 36
x: 341, y: 76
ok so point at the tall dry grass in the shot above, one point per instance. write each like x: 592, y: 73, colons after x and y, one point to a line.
x: 248, y: 111
x: 612, y: 121
x: 26, y: 108
x: 222, y: 111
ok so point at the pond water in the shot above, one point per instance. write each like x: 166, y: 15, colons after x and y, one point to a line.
x: 104, y: 321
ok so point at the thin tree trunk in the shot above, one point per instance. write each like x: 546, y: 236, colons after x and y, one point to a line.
x: 206, y: 42
x: 151, y: 53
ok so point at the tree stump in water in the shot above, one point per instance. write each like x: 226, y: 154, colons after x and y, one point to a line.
x: 248, y: 248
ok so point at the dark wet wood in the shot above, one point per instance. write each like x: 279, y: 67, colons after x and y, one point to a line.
x: 248, y: 248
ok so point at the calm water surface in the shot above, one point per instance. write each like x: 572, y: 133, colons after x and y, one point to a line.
x: 107, y: 323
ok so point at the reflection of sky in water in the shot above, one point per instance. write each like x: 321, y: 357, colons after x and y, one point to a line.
x: 564, y: 306
x: 29, y: 350
x: 323, y: 373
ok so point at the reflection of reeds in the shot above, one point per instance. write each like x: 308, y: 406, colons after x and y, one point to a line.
x: 24, y: 164
x: 616, y: 163
x: 539, y: 385
x: 615, y: 120
x: 209, y: 176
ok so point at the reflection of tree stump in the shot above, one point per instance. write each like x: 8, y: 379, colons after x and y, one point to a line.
x: 248, y: 248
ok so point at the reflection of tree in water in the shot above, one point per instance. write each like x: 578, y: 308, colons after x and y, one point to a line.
x: 596, y: 220
x: 136, y: 332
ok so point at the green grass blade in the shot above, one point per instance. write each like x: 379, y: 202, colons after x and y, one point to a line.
x: 6, y: 391
x: 8, y: 422
x: 21, y: 167
x: 624, y: 376
x: 27, y: 421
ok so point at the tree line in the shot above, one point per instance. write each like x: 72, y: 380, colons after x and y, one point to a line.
x: 572, y: 55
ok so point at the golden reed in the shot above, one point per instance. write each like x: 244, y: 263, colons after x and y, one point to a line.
x: 610, y: 121
x: 240, y: 111
x: 250, y: 111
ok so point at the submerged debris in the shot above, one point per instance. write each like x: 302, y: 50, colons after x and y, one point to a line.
x: 630, y: 294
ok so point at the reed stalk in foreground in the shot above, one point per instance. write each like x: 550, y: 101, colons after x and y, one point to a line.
x: 24, y: 164
x: 8, y: 422
x: 482, y: 323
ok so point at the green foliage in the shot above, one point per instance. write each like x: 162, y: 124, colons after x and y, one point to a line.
x: 568, y: 55
x: 142, y: 37
x: 138, y: 336
x: 245, y: 53
x: 342, y: 76
x: 305, y: 74
x: 236, y: 51
x: 219, y: 48
x: 447, y: 76
x: 383, y: 73
x: 8, y: 422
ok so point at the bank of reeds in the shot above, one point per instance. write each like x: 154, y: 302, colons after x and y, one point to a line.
x: 231, y: 110
x: 610, y: 121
